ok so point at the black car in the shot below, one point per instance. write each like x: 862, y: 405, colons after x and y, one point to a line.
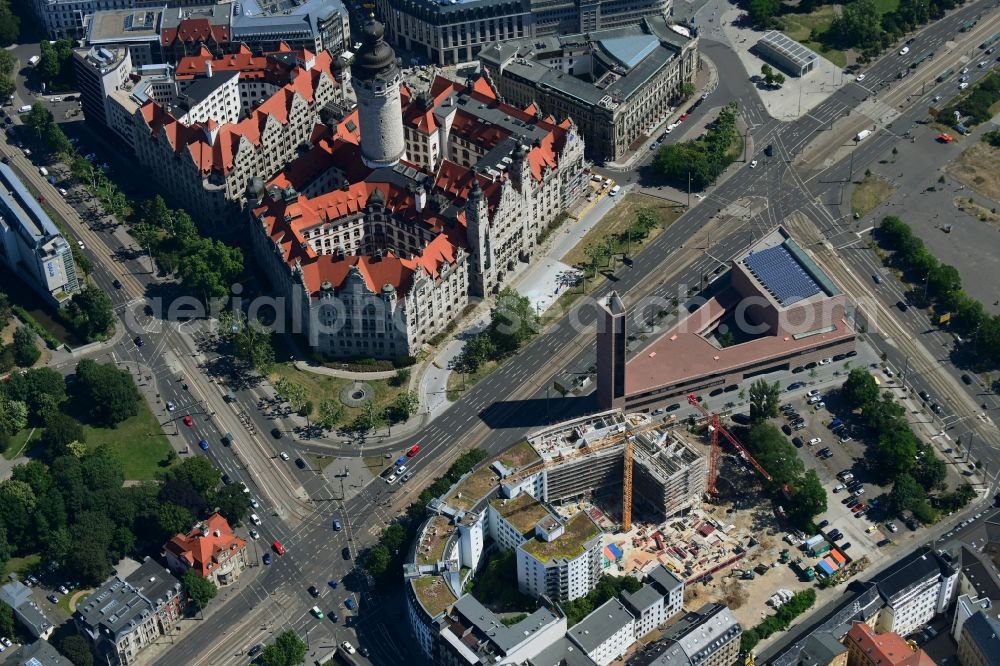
x: 674, y: 407
x: 117, y: 283
x: 276, y: 433
x: 936, y: 408
x: 300, y: 463
x: 924, y: 395
x: 226, y: 479
x: 846, y: 546
x: 797, y: 441
x: 255, y: 650
x: 364, y: 651
x: 742, y: 419
x: 912, y: 524
x: 137, y: 340
x: 345, y: 553
x: 966, y: 379
x: 785, y: 428
x: 821, y: 524
x: 835, y: 535
x: 903, y: 307
x: 313, y: 591
x: 794, y: 385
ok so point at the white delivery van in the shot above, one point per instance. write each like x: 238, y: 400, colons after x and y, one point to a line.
x: 616, y: 189
x: 863, y: 134
x: 43, y: 171
x: 24, y: 109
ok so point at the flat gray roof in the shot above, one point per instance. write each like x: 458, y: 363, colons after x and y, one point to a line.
x: 788, y: 47
x: 489, y: 624
x: 642, y: 599
x: 562, y: 653
x: 665, y: 579
x: 603, y: 623
x: 28, y: 214
x: 124, y: 25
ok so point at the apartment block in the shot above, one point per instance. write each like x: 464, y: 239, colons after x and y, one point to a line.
x: 865, y: 647
x: 979, y: 642
x: 129, y: 612
x: 709, y: 636
x: 563, y: 561
x: 916, y: 592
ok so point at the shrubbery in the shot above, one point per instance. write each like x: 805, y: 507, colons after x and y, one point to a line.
x: 702, y: 159
x: 974, y: 108
x: 798, y: 604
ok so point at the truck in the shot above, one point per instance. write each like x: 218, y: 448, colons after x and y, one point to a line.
x: 805, y: 573
x: 820, y: 549
x: 785, y: 556
x: 34, y: 60
x: 862, y: 135
x: 812, y: 541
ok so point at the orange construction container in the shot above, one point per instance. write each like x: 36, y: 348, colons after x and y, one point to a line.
x: 837, y: 555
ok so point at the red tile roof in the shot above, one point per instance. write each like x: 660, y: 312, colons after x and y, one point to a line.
x: 219, y: 155
x: 194, y: 30
x: 887, y: 649
x: 201, y: 549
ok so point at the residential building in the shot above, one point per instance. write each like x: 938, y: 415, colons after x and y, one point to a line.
x: 211, y: 550
x: 917, y: 592
x: 31, y: 246
x: 128, y: 613
x: 137, y: 30
x: 606, y: 633
x: 979, y: 642
x: 379, y: 235
x: 789, y: 312
x: 448, y: 33
x: 38, y: 653
x: 822, y: 649
x: 867, y: 648
x: 966, y: 607
x: 562, y: 652
x: 471, y: 634
x: 312, y: 25
x: 563, y: 561
x: 709, y: 636
x: 186, y: 30
x: 657, y: 601
x: 18, y: 596
x: 616, y: 84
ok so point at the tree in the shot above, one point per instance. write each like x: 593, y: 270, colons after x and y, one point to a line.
x: 929, y: 471
x: 252, y: 342
x: 778, y: 79
x: 198, y: 473
x: 808, y: 500
x: 905, y: 494
x: 512, y: 322
x: 401, y: 377
x: 208, y: 267
x: 376, y: 561
x: 762, y: 12
x: 294, y: 394
x: 173, y: 519
x: 477, y: 350
x: 40, y: 389
x: 768, y: 73
x: 895, y: 451
x: 293, y: 647
x: 76, y: 648
x: 109, y: 395
x: 180, y: 492
x: 26, y: 353
x: 199, y: 590
x: 858, y: 24
x: 7, y: 620
x: 774, y: 453
x: 13, y: 415
x: 231, y: 502
x: 60, y: 431
x: 860, y: 389
x: 6, y: 312
x: 403, y: 406
x: 91, y: 313
x: 10, y: 25
x: 331, y: 413
x: 764, y: 399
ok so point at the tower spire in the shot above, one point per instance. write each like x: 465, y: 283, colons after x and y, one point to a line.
x: 376, y: 78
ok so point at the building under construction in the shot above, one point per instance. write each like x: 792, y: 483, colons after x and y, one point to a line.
x: 591, y: 457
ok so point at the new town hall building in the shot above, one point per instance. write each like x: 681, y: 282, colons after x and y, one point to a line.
x: 379, y: 234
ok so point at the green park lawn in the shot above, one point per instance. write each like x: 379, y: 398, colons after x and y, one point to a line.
x: 16, y: 443
x: 139, y: 442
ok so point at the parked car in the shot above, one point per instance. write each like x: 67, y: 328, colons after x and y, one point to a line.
x: 336, y: 525
x: 350, y: 604
x: 313, y: 590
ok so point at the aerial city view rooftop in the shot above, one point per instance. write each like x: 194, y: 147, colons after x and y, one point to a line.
x: 639, y: 333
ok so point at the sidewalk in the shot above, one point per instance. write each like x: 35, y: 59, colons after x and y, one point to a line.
x: 306, y: 366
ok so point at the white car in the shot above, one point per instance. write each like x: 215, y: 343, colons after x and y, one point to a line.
x: 815, y: 440
x: 170, y: 406
x: 400, y: 470
x: 963, y: 85
x: 6, y: 641
x: 63, y: 191
x: 861, y: 77
x: 254, y: 503
x: 812, y: 392
x: 55, y: 99
x: 753, y: 164
x: 904, y: 50
x: 981, y: 64
x: 348, y: 648
x: 892, y: 527
x: 814, y: 399
x: 391, y: 480
x: 254, y: 534
x: 826, y: 361
x: 82, y: 246
x: 283, y: 455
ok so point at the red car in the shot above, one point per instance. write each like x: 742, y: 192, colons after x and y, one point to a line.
x: 278, y: 548
x: 682, y: 118
x: 188, y: 421
x: 413, y: 451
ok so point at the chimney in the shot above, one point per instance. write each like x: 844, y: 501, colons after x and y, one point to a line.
x: 208, y: 68
x: 217, y: 533
x: 421, y: 198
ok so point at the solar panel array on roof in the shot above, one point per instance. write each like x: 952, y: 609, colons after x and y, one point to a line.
x: 781, y: 275
x: 788, y: 47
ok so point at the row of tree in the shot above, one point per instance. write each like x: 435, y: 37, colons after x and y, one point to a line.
x: 899, y: 456
x: 974, y: 108
x: 942, y: 284
x: 55, y: 65
x: 701, y: 160
x: 797, y: 605
x: 10, y: 24
x: 513, y: 321
x: 775, y: 453
x: 7, y: 61
x: 602, y: 253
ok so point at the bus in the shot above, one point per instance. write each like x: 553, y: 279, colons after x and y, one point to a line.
x: 945, y: 74
x: 991, y: 41
x: 969, y: 25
